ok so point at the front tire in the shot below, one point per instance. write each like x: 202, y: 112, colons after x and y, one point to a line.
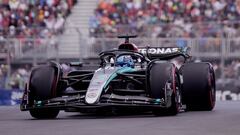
x: 159, y: 74
x: 44, y: 113
x: 43, y: 86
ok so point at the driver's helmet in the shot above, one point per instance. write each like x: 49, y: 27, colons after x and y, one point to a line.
x: 125, y: 61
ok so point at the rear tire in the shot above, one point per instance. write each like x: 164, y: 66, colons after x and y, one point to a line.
x: 158, y: 75
x: 199, y: 91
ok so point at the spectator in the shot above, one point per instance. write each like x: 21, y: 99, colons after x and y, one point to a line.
x: 184, y: 15
x: 27, y: 19
x: 17, y: 15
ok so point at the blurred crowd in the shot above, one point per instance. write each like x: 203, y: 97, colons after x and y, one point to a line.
x: 30, y: 23
x: 166, y: 18
x: 27, y: 18
x: 16, y: 78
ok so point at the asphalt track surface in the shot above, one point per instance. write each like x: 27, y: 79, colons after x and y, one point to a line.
x: 224, y: 120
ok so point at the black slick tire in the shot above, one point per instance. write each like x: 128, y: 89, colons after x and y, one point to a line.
x: 44, y: 113
x: 42, y: 86
x: 198, y: 90
x: 158, y: 75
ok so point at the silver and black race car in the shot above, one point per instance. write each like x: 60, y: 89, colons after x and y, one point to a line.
x: 128, y: 79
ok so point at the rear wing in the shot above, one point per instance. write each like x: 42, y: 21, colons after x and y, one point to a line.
x: 165, y: 53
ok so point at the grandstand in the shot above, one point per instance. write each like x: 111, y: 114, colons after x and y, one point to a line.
x: 33, y: 32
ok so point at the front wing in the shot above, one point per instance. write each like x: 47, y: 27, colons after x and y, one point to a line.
x: 108, y: 100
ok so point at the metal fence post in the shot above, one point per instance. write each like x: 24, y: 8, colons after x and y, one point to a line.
x: 35, y: 52
x: 8, y: 62
x: 222, y: 54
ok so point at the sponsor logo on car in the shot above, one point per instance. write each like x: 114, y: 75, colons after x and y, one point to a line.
x: 159, y: 50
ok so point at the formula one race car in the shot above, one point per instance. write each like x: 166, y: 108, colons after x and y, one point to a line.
x: 128, y: 78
